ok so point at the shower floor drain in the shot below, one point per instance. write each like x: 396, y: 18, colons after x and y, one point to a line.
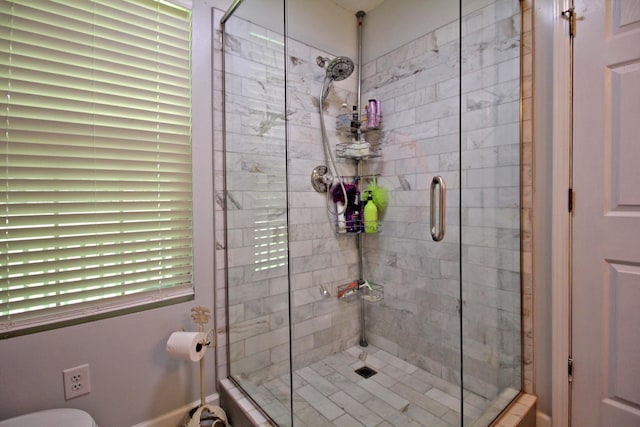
x: 365, y: 372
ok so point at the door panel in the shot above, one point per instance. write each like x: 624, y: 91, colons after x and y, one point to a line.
x: 606, y: 254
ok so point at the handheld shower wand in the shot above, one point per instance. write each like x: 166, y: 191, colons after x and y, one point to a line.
x: 339, y: 68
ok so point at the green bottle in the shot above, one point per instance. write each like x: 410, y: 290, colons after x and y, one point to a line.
x: 370, y: 216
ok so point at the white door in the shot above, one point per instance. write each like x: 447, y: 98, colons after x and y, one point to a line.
x: 606, y: 242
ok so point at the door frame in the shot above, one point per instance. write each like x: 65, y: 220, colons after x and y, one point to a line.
x: 561, y: 219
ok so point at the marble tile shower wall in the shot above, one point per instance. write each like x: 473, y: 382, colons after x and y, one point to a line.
x: 418, y: 85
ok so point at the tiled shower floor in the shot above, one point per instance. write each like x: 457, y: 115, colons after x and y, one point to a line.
x: 331, y: 393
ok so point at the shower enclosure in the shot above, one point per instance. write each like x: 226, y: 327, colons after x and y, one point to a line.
x: 439, y: 343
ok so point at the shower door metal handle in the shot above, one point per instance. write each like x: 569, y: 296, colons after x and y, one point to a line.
x: 437, y: 232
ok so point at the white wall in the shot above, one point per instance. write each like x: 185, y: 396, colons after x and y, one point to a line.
x: 132, y: 378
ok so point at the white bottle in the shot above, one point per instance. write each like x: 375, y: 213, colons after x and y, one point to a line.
x: 342, y: 222
x: 343, y: 120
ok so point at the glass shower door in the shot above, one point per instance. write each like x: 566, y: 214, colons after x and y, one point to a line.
x: 441, y: 345
x: 491, y: 224
x: 255, y: 205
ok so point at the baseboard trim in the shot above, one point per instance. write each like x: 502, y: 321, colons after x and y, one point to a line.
x: 543, y: 420
x: 178, y: 415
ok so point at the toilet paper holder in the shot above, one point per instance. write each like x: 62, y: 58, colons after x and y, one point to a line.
x: 201, y: 316
x: 206, y: 341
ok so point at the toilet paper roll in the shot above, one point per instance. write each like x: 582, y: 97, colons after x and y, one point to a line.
x: 187, y: 345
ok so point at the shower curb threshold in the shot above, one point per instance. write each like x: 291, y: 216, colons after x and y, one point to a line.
x: 521, y: 412
x: 240, y: 410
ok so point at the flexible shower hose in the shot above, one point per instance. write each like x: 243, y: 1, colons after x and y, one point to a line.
x: 328, y: 153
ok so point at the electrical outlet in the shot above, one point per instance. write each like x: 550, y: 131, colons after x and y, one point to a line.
x: 76, y: 381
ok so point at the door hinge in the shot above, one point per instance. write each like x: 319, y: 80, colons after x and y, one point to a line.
x: 570, y: 200
x: 570, y: 15
x: 570, y: 369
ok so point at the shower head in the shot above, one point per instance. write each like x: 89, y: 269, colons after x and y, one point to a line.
x: 339, y: 68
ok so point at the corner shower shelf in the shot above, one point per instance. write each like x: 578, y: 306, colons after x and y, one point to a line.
x: 347, y: 151
x: 372, y: 295
x: 344, y: 226
x: 350, y: 292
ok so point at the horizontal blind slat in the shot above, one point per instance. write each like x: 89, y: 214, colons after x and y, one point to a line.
x: 103, y: 161
x: 30, y: 189
x: 100, y: 213
x: 28, y: 140
x: 45, y: 132
x: 128, y: 219
x: 51, y: 174
x: 116, y: 241
x: 91, y: 230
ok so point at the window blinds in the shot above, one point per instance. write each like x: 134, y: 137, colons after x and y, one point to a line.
x: 95, y: 158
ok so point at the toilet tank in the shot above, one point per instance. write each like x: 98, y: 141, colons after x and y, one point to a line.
x: 51, y: 418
